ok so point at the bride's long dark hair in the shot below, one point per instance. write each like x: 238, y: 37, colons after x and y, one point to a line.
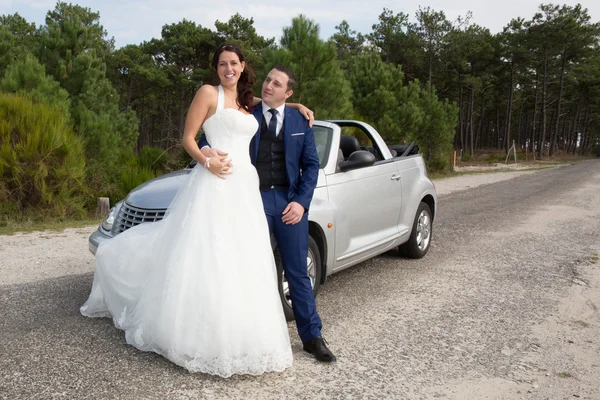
x: 247, y: 77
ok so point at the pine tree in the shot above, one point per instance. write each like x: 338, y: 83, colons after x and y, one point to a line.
x: 17, y: 38
x: 28, y: 78
x: 380, y: 98
x: 321, y: 84
x: 348, y: 43
x: 73, y: 42
x: 435, y: 132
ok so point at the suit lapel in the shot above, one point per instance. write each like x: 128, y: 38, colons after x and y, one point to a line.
x: 289, y: 154
x: 287, y: 129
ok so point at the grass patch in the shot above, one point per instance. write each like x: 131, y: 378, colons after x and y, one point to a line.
x: 11, y: 227
x: 479, y: 169
x: 594, y: 258
x: 442, y: 174
x: 564, y: 375
x: 493, y: 155
x: 512, y: 166
x: 581, y: 324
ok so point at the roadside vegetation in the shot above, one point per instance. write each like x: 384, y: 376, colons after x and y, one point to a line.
x: 10, y: 227
x: 80, y: 119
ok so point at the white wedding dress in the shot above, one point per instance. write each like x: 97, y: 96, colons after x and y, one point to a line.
x: 200, y: 286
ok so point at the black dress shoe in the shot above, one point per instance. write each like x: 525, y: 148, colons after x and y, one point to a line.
x: 319, y: 349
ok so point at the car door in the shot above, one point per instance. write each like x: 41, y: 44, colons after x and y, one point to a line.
x: 367, y: 203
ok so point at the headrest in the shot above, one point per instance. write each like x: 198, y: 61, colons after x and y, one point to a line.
x: 348, y: 145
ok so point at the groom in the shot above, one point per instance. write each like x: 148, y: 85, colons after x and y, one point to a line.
x: 284, y: 153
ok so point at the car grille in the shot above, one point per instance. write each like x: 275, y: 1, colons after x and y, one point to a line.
x: 130, y: 216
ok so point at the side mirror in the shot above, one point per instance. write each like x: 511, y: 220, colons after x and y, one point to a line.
x: 358, y: 159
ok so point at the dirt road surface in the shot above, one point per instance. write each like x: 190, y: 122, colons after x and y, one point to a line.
x: 504, y: 306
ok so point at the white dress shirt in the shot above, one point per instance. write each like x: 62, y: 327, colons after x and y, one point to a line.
x: 267, y: 115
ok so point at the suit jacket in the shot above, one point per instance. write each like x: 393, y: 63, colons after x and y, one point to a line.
x: 301, y: 159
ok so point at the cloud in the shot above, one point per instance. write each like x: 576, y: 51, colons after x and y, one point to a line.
x: 128, y: 34
x: 135, y: 21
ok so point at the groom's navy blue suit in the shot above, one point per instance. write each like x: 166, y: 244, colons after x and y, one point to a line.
x: 302, y: 170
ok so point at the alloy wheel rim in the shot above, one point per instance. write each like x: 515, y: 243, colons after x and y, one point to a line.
x: 423, y: 230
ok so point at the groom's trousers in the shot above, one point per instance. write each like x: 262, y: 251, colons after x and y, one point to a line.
x: 292, y: 241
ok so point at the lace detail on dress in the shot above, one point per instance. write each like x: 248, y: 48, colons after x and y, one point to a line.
x: 226, y: 366
x: 138, y: 336
x: 121, y: 320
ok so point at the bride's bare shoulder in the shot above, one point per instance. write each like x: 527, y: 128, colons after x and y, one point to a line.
x: 208, y: 92
x: 207, y: 96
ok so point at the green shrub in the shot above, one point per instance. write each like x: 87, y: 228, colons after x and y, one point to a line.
x: 178, y: 159
x: 153, y: 158
x: 436, y: 130
x: 496, y: 157
x: 42, y: 164
x: 27, y: 78
x: 132, y: 176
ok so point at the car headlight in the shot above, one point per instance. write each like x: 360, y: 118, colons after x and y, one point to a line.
x: 109, y: 220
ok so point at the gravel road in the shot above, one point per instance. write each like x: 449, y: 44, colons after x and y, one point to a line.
x: 504, y: 306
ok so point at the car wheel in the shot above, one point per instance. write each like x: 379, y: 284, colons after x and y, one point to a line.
x: 313, y: 268
x: 420, y: 236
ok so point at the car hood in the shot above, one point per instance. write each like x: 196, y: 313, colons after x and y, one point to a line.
x: 159, y: 192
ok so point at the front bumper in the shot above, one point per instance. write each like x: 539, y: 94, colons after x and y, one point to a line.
x: 96, y: 239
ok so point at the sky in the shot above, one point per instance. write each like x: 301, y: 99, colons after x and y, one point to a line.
x: 136, y: 21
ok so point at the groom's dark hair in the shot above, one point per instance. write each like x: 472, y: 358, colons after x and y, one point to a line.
x: 291, y: 76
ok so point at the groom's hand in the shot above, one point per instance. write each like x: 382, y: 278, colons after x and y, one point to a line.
x: 307, y: 113
x: 210, y: 152
x: 293, y: 213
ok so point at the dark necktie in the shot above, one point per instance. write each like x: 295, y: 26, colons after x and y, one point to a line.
x: 273, y: 123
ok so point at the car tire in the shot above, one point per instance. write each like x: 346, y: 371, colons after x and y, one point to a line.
x: 420, y: 237
x: 314, y: 272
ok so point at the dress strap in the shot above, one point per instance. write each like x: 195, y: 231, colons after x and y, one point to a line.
x: 221, y: 99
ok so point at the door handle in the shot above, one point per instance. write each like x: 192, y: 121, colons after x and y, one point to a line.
x: 396, y: 177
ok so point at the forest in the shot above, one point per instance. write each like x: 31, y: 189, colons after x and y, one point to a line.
x: 80, y: 118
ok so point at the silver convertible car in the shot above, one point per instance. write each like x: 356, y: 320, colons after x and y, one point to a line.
x: 369, y: 199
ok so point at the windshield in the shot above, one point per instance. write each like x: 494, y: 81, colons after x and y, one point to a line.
x: 322, y: 141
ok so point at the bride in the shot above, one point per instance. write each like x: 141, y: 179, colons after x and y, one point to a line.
x: 200, y: 286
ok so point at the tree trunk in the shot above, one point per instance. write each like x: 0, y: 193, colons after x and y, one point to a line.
x: 584, y: 134
x: 534, y: 120
x: 498, y: 144
x: 519, y: 126
x: 480, y: 124
x: 561, y: 142
x: 430, y: 67
x: 509, y: 109
x: 528, y: 141
x: 576, y: 124
x: 461, y: 113
x: 558, y: 103
x: 568, y: 134
x: 544, y: 93
x: 471, y: 112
